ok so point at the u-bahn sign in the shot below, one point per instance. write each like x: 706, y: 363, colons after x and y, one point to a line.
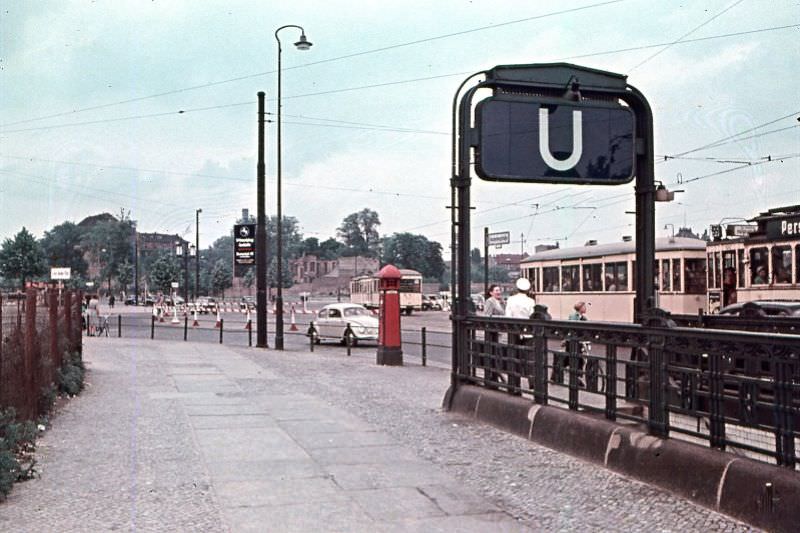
x: 539, y: 139
x: 244, y: 244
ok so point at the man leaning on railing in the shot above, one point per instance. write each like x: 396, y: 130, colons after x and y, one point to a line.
x: 519, y: 305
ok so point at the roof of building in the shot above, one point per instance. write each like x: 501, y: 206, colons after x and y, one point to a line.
x: 615, y: 248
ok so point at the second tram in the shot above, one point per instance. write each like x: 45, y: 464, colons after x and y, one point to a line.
x: 364, y: 291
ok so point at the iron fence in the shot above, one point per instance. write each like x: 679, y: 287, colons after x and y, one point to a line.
x: 733, y: 390
x: 35, y: 332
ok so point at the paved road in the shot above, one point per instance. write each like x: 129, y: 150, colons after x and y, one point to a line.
x: 173, y: 436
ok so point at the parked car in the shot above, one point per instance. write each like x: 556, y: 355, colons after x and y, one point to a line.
x: 205, y: 305
x: 331, y: 322
x: 762, y: 308
x: 435, y: 301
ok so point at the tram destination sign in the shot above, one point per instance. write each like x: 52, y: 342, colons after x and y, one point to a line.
x: 244, y: 244
x: 781, y: 228
x: 527, y: 139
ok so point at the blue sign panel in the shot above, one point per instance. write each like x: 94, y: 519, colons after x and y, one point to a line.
x: 540, y: 141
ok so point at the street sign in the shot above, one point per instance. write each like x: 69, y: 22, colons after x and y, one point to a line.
x: 740, y: 230
x: 499, y: 238
x: 60, y: 273
x: 174, y: 285
x: 244, y: 244
x: 540, y: 139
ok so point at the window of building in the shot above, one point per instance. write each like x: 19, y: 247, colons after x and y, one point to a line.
x: 758, y: 266
x: 592, y: 278
x: 550, y: 279
x: 656, y: 276
x: 782, y: 264
x: 616, y: 276
x: 676, y: 275
x: 666, y: 280
x: 694, y: 275
x: 570, y: 278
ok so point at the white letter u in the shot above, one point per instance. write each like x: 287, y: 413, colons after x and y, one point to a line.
x: 544, y: 141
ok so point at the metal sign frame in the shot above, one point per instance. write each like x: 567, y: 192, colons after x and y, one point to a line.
x: 553, y: 80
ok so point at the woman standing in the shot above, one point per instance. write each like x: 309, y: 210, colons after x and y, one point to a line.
x: 494, y: 302
x: 492, y: 307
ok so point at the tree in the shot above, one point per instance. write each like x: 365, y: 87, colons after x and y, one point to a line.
x: 359, y: 232
x: 111, y: 243
x: 406, y: 250
x: 125, y: 275
x: 221, y: 277
x: 22, y: 257
x: 163, y: 272
x: 62, y: 248
x: 330, y: 249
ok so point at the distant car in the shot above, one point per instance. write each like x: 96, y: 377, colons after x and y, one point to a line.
x: 130, y: 300
x: 435, y: 301
x: 149, y: 299
x: 247, y: 302
x: 331, y: 322
x: 205, y: 305
x: 762, y: 308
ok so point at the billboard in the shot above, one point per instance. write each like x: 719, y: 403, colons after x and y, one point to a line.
x: 244, y: 245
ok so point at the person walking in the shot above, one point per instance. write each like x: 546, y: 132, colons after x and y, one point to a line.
x: 493, y: 306
x: 93, y: 315
x: 578, y: 313
x: 519, y: 305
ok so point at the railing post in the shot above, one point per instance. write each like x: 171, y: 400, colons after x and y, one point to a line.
x: 611, y: 382
x: 572, y: 355
x: 29, y: 362
x: 717, y: 403
x: 221, y: 324
x: 54, y: 355
x: 540, y: 365
x: 249, y: 333
x: 119, y: 326
x: 185, y: 326
x: 784, y: 416
x: 424, y: 342
x: 348, y: 338
x: 152, y: 327
x: 658, y: 416
x: 312, y: 333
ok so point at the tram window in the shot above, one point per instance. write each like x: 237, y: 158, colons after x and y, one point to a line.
x: 633, y: 275
x: 694, y: 276
x: 717, y: 270
x: 742, y: 267
x: 797, y: 263
x: 666, y: 284
x: 676, y: 275
x: 550, y: 279
x: 616, y: 276
x: 656, y: 276
x: 758, y: 266
x: 592, y: 278
x: 570, y: 278
x: 782, y: 264
x: 533, y: 275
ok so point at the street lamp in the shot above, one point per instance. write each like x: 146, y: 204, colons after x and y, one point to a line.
x: 197, y: 256
x: 302, y: 44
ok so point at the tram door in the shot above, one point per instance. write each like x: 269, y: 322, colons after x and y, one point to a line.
x: 729, y: 277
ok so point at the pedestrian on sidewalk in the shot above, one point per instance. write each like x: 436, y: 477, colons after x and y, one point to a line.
x: 519, y: 305
x: 493, y: 306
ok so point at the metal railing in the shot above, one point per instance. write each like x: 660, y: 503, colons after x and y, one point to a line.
x: 734, y: 390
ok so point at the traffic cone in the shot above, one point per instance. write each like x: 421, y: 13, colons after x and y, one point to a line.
x: 294, y: 325
x: 161, y: 313
x: 248, y: 324
x: 219, y: 320
x: 175, y: 315
x: 195, y: 323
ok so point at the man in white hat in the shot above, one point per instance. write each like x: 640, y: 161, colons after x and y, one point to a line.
x: 520, y: 305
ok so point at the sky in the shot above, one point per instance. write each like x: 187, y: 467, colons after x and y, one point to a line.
x: 150, y: 107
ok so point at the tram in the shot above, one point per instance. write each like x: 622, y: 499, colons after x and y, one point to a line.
x: 364, y: 291
x: 755, y: 261
x: 603, y: 276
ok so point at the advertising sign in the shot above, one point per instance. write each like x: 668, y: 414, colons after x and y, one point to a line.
x: 60, y: 273
x: 244, y: 244
x: 783, y: 227
x: 531, y: 139
x: 499, y: 238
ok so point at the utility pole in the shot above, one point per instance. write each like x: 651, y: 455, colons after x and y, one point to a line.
x: 197, y: 254
x: 485, y: 260
x: 135, y: 269
x: 261, y: 235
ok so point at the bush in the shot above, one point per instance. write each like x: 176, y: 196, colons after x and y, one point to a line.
x: 17, y: 440
x: 70, y: 375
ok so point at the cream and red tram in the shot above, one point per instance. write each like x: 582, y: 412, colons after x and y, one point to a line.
x: 602, y: 275
x: 364, y: 290
x: 757, y: 261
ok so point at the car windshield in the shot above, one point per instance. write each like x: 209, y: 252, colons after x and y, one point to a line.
x: 355, y: 311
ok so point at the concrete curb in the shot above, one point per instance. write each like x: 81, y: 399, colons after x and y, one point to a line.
x: 760, y: 494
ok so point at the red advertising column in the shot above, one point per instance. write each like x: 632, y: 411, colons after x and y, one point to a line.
x: 389, y: 342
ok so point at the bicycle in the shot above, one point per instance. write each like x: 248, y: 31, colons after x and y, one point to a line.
x: 103, y: 327
x: 588, y: 367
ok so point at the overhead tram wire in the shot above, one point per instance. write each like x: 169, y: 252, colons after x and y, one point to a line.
x: 318, y: 62
x: 737, y: 136
x: 355, y: 88
x: 682, y: 37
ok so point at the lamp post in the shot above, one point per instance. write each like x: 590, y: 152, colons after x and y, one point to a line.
x: 302, y: 44
x: 197, y: 252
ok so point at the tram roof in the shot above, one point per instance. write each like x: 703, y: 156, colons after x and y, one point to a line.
x: 615, y: 248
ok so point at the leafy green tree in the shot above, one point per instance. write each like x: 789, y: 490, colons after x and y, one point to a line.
x: 163, y: 271
x: 221, y: 277
x: 62, y: 248
x: 125, y: 275
x: 359, y: 232
x: 330, y: 249
x: 22, y: 258
x: 111, y: 243
x: 406, y: 250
